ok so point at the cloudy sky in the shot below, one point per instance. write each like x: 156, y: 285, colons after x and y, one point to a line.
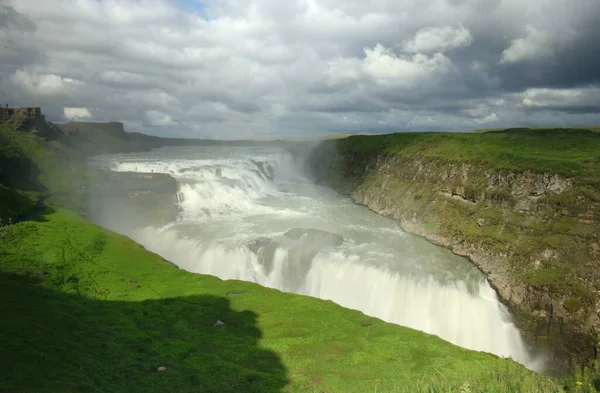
x: 240, y: 68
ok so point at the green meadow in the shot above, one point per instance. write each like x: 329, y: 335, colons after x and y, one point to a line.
x: 569, y: 152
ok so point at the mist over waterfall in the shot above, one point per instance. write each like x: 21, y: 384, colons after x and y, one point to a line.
x: 249, y: 213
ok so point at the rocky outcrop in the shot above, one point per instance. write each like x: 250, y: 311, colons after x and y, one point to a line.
x: 302, y: 246
x: 29, y: 119
x: 18, y: 115
x: 535, y: 235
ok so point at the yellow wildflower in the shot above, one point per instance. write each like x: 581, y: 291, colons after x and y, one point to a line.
x: 578, y: 383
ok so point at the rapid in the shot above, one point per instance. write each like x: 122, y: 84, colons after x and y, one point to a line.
x: 250, y: 213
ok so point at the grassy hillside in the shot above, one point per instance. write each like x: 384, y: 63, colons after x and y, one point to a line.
x: 569, y: 152
x: 32, y: 167
x: 87, y: 310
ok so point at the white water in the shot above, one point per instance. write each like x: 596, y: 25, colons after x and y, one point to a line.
x: 233, y: 196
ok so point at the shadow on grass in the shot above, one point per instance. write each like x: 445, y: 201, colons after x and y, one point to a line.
x: 19, y: 205
x: 16, y: 207
x: 56, y: 342
x: 597, y: 384
x: 17, y: 168
x: 22, y: 194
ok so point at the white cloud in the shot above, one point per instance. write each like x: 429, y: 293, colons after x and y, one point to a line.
x: 549, y: 98
x: 157, y: 118
x: 492, y: 117
x: 383, y: 65
x: 42, y: 84
x: 481, y: 113
x: 77, y: 114
x: 439, y: 39
x: 545, y: 97
x: 535, y: 45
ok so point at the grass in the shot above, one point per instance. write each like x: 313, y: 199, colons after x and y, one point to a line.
x: 15, y: 202
x: 39, y: 167
x: 569, y: 152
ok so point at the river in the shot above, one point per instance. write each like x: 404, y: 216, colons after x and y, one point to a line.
x: 250, y: 213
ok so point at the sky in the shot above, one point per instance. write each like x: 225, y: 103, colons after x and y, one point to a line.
x: 248, y: 68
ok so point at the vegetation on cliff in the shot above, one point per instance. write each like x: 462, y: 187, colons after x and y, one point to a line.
x: 523, y: 204
x: 568, y: 152
x: 34, y: 168
x: 88, y: 310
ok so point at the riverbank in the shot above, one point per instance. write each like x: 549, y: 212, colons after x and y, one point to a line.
x: 523, y: 205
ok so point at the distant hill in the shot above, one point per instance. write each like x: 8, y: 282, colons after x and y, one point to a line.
x: 107, y: 138
x: 104, y: 138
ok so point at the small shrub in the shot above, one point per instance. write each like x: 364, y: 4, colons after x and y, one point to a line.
x: 544, y: 277
x: 573, y: 305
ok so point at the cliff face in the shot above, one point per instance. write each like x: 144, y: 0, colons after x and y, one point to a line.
x: 534, y: 234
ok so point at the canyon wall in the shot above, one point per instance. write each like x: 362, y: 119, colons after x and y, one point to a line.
x: 534, y: 234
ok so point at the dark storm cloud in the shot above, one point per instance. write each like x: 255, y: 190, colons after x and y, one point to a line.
x: 574, y: 63
x: 587, y: 109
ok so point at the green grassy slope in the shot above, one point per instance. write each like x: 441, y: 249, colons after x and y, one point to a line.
x: 33, y: 167
x: 86, y: 310
x: 569, y: 152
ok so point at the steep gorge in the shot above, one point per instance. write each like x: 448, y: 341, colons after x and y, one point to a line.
x: 533, y: 233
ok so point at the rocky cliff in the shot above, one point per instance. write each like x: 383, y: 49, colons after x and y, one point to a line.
x: 18, y: 115
x: 29, y: 119
x: 531, y: 227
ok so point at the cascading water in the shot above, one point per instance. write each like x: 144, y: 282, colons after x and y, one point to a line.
x: 248, y: 214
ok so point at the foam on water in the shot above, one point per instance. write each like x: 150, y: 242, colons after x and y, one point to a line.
x: 217, y: 187
x: 236, y: 210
